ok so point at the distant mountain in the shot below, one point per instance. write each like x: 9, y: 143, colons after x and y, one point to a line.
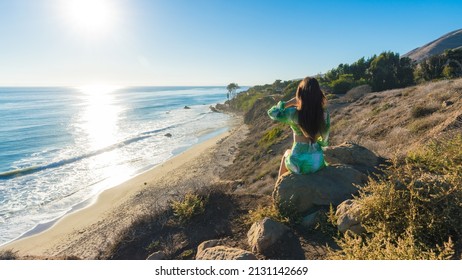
x: 452, y: 40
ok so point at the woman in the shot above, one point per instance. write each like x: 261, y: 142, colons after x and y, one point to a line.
x: 309, y: 119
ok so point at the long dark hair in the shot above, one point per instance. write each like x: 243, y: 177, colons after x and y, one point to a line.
x: 311, y: 109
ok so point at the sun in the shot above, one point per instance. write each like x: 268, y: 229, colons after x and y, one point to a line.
x: 90, y: 17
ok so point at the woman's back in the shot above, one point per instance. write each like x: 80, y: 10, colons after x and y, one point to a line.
x: 310, y: 125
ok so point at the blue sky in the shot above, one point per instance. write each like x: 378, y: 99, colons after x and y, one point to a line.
x: 205, y: 42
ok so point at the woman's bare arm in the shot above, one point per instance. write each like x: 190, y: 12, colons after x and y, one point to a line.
x: 291, y: 103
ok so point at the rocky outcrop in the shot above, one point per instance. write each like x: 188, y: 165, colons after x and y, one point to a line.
x: 305, y: 193
x: 274, y: 240
x: 348, y: 217
x: 211, y: 250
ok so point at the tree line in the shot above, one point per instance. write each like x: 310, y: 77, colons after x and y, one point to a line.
x: 388, y: 70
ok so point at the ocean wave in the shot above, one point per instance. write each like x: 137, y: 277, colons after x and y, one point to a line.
x: 33, y: 169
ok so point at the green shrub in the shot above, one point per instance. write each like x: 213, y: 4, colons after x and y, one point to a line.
x: 270, y: 136
x: 265, y: 212
x: 189, y: 207
x: 441, y: 157
x: 188, y: 254
x: 414, y: 210
x: 343, y: 84
x: 422, y: 111
x: 244, y: 101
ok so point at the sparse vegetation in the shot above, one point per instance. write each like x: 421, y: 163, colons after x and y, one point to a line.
x: 271, y: 136
x: 381, y: 108
x: 8, y: 255
x: 422, y: 111
x: 262, y: 212
x: 190, y: 206
x: 414, y: 210
x: 422, y: 125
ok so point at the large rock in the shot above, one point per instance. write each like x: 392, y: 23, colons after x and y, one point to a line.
x: 223, y: 253
x: 352, y: 154
x: 274, y: 240
x: 306, y: 193
x: 208, y: 244
x: 348, y: 217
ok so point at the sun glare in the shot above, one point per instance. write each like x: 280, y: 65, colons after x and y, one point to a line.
x: 99, y: 119
x: 90, y: 17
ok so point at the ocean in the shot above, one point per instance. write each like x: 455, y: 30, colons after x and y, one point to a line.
x: 61, y: 147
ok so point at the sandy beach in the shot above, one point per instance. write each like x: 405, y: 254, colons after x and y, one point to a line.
x: 87, y: 232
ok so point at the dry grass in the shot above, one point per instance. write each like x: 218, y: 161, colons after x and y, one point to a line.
x: 414, y: 210
x: 395, y: 120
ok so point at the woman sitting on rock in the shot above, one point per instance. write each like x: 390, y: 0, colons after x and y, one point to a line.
x: 309, y: 119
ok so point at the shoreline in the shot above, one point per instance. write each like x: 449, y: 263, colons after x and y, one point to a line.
x: 118, y: 205
x: 41, y: 227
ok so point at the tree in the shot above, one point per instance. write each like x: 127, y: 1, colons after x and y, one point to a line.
x: 389, y: 71
x: 232, y: 87
x: 405, y: 72
x: 384, y: 70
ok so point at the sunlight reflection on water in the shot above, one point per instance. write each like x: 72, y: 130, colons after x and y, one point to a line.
x: 99, y: 128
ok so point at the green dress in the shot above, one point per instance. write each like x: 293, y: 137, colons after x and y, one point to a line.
x: 303, y: 158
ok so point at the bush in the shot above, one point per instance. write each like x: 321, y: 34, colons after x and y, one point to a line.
x: 244, y: 101
x: 8, y: 255
x: 189, y: 207
x: 265, y: 212
x: 341, y: 86
x: 422, y: 111
x: 414, y: 210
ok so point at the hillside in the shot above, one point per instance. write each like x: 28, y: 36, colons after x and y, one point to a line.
x: 388, y: 123
x: 396, y: 121
x: 391, y: 123
x: 452, y: 40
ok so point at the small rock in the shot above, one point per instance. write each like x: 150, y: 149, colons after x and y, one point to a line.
x: 265, y: 233
x: 187, y: 107
x: 274, y: 240
x: 348, y: 217
x: 310, y: 220
x: 156, y: 256
x: 224, y: 253
x: 168, y: 135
